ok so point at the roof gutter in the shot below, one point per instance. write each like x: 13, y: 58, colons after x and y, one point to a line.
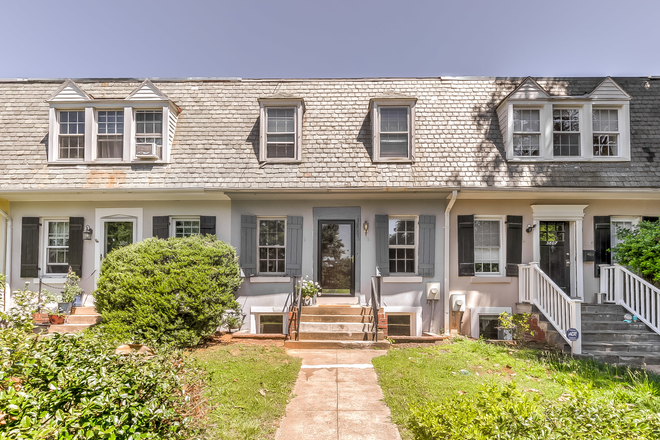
x: 454, y: 195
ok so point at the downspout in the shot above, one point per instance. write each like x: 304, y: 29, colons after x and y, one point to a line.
x: 7, y: 268
x: 454, y: 195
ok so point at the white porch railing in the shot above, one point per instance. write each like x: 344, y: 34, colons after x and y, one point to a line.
x: 562, y: 311
x: 639, y: 297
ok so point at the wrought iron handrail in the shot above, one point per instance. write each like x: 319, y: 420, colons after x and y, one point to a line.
x: 376, y: 284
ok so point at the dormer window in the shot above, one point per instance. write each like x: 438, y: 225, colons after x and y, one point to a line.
x: 71, y: 134
x: 566, y: 132
x: 110, y: 134
x: 393, y: 129
x: 280, y: 130
x: 149, y: 130
x: 606, y: 132
x: 526, y: 132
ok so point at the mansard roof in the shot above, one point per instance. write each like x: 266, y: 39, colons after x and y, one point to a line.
x: 457, y: 136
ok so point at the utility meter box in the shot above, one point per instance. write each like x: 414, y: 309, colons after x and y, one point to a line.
x: 457, y: 303
x: 432, y: 291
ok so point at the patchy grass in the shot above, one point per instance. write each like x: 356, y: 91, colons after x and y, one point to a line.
x: 248, y: 388
x: 431, y: 389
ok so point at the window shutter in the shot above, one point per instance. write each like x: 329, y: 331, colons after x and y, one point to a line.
x: 30, y: 247
x: 248, y: 257
x: 602, y: 242
x: 76, y: 244
x: 161, y: 228
x: 294, y: 245
x: 382, y: 244
x: 465, y: 245
x: 426, y: 246
x: 514, y: 229
x: 207, y: 225
x: 650, y: 219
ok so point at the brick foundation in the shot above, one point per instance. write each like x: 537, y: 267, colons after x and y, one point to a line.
x: 382, y: 323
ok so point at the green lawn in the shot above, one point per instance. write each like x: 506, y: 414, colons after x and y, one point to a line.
x: 462, y: 390
x: 248, y: 388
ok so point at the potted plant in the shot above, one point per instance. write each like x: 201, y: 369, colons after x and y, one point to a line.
x: 309, y: 289
x: 56, y: 317
x: 70, y: 293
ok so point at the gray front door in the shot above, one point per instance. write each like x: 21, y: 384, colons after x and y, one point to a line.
x: 337, y: 257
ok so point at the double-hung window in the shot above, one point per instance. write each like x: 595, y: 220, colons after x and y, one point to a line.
x: 402, y: 245
x: 606, y: 132
x: 566, y: 132
x: 272, y: 245
x: 149, y: 132
x: 185, y: 227
x: 71, y: 134
x: 110, y: 134
x: 526, y: 132
x: 393, y: 130
x: 280, y: 130
x: 57, y: 246
x: 487, y: 247
x: 619, y: 223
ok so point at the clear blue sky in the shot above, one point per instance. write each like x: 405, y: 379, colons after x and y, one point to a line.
x: 337, y: 38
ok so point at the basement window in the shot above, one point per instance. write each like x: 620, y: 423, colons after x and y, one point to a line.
x: 488, y: 326
x: 271, y: 324
x: 398, y: 325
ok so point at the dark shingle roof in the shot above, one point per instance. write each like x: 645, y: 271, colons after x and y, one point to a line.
x: 458, y: 140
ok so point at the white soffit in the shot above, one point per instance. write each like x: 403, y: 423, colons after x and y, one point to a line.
x: 558, y: 212
x: 69, y: 91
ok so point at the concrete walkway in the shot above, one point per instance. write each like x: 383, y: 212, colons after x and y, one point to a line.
x: 338, y: 398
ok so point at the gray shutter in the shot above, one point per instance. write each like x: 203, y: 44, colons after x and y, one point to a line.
x: 602, y: 242
x: 383, y: 244
x: 513, y: 244
x: 207, y: 225
x: 30, y: 247
x: 294, y: 245
x: 76, y: 244
x: 248, y: 257
x: 161, y: 227
x: 465, y: 245
x: 426, y: 246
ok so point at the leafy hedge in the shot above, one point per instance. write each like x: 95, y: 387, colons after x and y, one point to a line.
x: 640, y: 249
x: 75, y: 387
x: 167, y: 291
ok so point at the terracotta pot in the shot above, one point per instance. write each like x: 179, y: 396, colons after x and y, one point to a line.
x: 40, y: 318
x: 56, y: 319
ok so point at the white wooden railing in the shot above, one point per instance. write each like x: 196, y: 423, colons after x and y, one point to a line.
x: 562, y: 311
x: 639, y: 297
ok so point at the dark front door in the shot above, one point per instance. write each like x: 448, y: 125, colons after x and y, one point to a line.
x: 337, y: 257
x: 556, y: 253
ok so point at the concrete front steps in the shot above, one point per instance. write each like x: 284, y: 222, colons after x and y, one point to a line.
x: 328, y: 326
x: 79, y: 319
x: 605, y: 337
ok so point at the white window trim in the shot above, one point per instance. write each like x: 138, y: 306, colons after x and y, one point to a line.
x: 502, y: 262
x: 299, y: 109
x: 268, y: 274
x: 586, y: 129
x: 376, y: 104
x: 175, y: 218
x: 540, y: 133
x: 402, y: 275
x: 43, y: 247
x: 476, y: 311
x: 414, y: 312
x: 257, y: 311
x: 95, y: 136
x: 132, y: 139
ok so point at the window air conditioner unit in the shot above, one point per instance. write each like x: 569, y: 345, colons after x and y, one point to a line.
x: 146, y: 151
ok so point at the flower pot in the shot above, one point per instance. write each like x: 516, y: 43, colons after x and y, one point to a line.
x: 64, y: 307
x: 505, y: 334
x: 56, y: 319
x: 40, y: 318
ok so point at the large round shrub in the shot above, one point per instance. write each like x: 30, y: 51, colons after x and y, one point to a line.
x: 167, y: 291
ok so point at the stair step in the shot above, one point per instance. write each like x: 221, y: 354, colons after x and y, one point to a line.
x: 619, y: 336
x: 613, y: 325
x: 336, y: 318
x: 610, y: 317
x: 336, y: 344
x: 616, y: 357
x: 84, y: 311
x: 84, y: 319
x: 68, y: 328
x: 351, y: 327
x: 602, y: 308
x: 336, y: 310
x: 340, y: 336
x: 640, y: 347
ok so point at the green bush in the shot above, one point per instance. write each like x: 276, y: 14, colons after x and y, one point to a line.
x: 640, y: 249
x: 505, y: 412
x: 167, y: 291
x: 75, y: 387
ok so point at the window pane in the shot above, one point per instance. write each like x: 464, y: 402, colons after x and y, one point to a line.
x: 487, y: 246
x: 281, y: 120
x: 566, y: 144
x: 526, y: 120
x: 393, y: 119
x: 526, y: 145
x: 149, y: 122
x: 394, y: 145
x: 271, y: 246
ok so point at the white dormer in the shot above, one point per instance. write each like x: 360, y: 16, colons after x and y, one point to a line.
x: 537, y: 126
x: 87, y: 130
